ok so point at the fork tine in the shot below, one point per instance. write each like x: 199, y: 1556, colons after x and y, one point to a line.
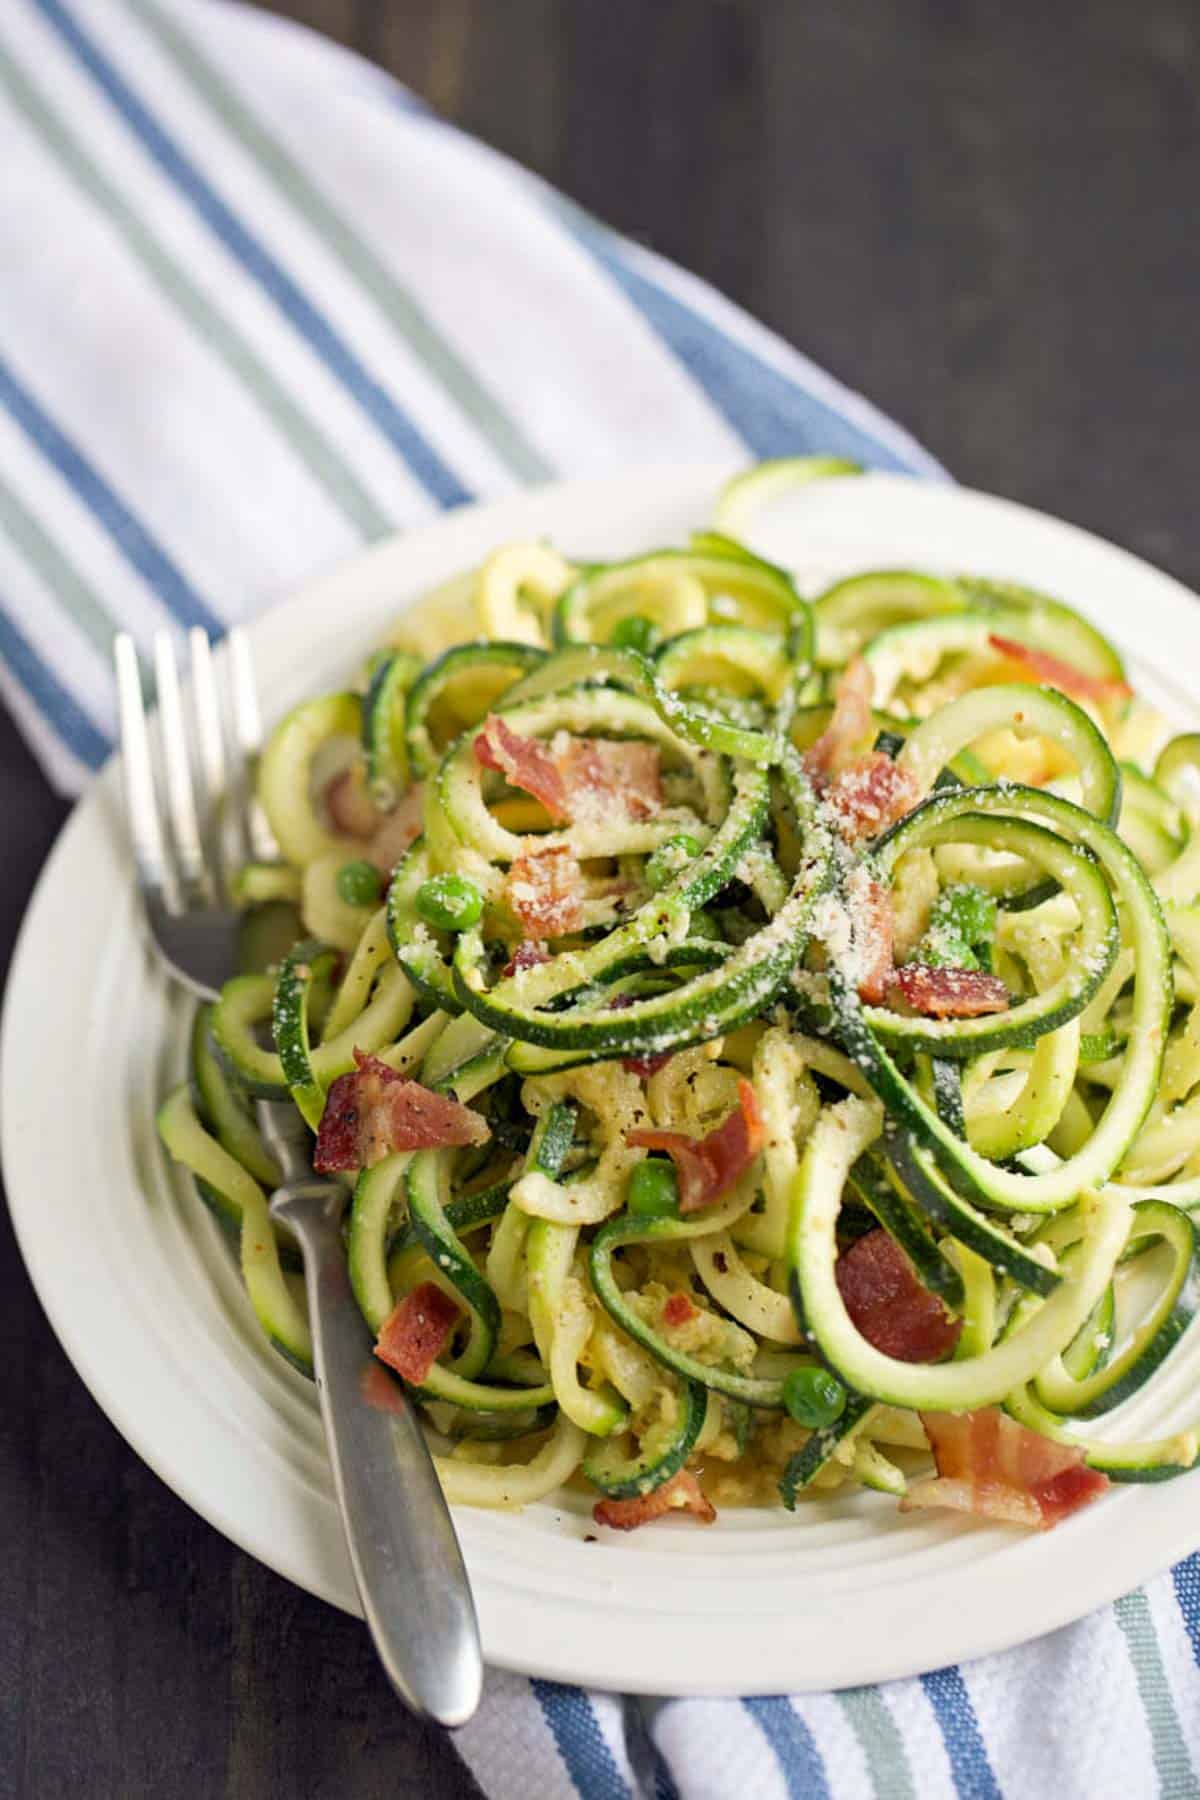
x: 154, y: 872
x: 211, y: 740
x: 247, y: 723
x: 177, y: 765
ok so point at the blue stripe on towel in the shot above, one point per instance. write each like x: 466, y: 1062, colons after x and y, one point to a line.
x: 137, y: 544
x: 568, y: 1712
x: 57, y: 706
x: 795, y: 1750
x: 1186, y: 1577
x: 773, y: 414
x: 404, y: 436
x: 960, y: 1731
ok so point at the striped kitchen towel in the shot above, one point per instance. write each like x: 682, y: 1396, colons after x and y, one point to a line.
x: 241, y: 335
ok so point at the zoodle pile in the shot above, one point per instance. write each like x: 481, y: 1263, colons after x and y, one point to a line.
x: 760, y: 1035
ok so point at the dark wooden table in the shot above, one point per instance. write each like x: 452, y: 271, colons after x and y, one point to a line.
x: 984, y: 217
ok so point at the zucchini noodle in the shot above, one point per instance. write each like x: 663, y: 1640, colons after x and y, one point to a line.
x: 580, y: 851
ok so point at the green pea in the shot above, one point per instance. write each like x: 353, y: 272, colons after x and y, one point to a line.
x: 449, y: 903
x: 653, y: 1191
x: 814, y: 1397
x: 636, y: 632
x: 359, y: 883
x: 663, y: 864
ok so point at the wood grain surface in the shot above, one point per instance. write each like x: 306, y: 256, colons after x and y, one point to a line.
x: 984, y: 217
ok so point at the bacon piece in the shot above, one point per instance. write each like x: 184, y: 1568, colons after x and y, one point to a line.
x: 678, y: 1310
x: 529, y: 954
x: 374, y: 1110
x: 416, y: 1331
x: 682, y: 1493
x: 388, y: 835
x: 545, y: 890
x: 349, y: 804
x: 1040, y: 666
x: 849, y: 723
x: 989, y: 1465
x: 604, y: 775
x: 948, y: 993
x: 709, y: 1165
x: 526, y: 763
x: 887, y: 1303
x: 575, y: 777
x: 866, y: 791
x: 870, y: 794
x: 873, y: 923
x: 398, y: 831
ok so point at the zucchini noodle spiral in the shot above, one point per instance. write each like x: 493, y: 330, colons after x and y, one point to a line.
x: 876, y: 912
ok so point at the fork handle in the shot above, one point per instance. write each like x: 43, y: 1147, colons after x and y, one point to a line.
x: 403, y: 1549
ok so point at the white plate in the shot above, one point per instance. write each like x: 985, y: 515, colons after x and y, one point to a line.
x: 143, y: 1295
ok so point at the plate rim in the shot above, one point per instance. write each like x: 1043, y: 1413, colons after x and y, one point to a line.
x: 514, y: 1648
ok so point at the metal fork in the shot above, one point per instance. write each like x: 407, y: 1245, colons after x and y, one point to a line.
x: 183, y: 872
x: 403, y: 1549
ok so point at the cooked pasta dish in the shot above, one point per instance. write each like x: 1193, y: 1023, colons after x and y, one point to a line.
x: 759, y: 1032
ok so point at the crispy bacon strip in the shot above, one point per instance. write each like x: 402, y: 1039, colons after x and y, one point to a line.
x: 678, y: 1310
x: 849, y: 723
x: 887, y: 1303
x: 529, y: 954
x: 870, y: 794
x: 604, y: 775
x: 1040, y: 666
x: 948, y: 993
x: 397, y: 831
x: 526, y: 763
x: 416, y: 1331
x: 373, y: 1111
x: 865, y: 790
x: 349, y: 804
x: 873, y: 924
x: 575, y: 777
x: 682, y: 1493
x: 708, y: 1166
x: 989, y: 1465
x: 384, y: 836
x: 545, y: 890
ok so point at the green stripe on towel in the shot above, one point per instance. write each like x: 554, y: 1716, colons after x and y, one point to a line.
x: 58, y: 573
x: 880, y: 1741
x: 1171, y: 1760
x: 469, y: 394
x: 308, y: 443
